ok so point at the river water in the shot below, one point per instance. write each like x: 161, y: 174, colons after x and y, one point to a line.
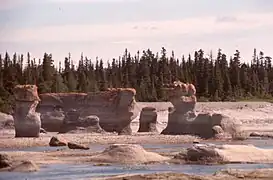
x: 89, y: 171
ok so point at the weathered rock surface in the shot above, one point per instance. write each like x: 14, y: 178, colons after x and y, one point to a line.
x: 115, y: 108
x: 182, y: 118
x: 42, y: 130
x: 52, y: 121
x: 227, y: 154
x: 5, y: 161
x: 25, y: 166
x: 6, y: 121
x: 27, y: 121
x: 261, y: 134
x: 89, y: 124
x: 55, y: 141
x: 76, y: 146
x: 148, y: 120
x: 183, y: 98
x: 127, y: 154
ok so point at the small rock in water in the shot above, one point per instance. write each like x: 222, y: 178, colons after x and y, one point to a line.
x: 196, y: 142
x: 255, y: 134
x: 25, y: 166
x: 76, y: 146
x: 42, y: 130
x: 55, y: 141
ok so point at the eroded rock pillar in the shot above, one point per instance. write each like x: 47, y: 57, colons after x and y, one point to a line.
x: 148, y: 120
x: 125, y: 110
x: 27, y: 121
x: 183, y: 98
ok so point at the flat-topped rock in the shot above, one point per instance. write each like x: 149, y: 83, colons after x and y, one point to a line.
x: 115, y: 108
x: 26, y: 93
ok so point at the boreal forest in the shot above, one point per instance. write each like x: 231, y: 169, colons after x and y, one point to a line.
x: 223, y: 78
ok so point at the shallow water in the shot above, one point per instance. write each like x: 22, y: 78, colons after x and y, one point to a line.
x: 68, y: 171
x: 80, y: 172
x: 261, y: 143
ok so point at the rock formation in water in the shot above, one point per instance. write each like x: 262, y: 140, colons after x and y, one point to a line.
x: 26, y: 120
x: 115, y: 108
x: 148, y: 120
x: 227, y: 154
x: 127, y: 154
x: 182, y: 118
x: 72, y: 145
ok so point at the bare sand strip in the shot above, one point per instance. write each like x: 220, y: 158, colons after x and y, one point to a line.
x: 264, y: 174
x: 7, y: 139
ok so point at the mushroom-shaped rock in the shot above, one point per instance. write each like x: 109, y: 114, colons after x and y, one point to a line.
x: 55, y: 141
x: 25, y: 166
x: 183, y: 120
x: 148, y: 120
x: 27, y: 121
x: 127, y: 154
x: 76, y: 146
x: 183, y: 98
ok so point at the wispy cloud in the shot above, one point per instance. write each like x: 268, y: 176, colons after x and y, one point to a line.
x: 139, y: 30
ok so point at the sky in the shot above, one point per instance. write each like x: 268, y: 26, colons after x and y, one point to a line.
x: 104, y: 28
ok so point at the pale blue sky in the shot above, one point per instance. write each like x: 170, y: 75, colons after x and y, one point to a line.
x: 105, y: 28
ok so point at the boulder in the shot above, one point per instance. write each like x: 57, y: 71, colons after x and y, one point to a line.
x: 27, y: 121
x: 148, y: 120
x: 25, y: 166
x: 6, y: 121
x: 76, y: 146
x: 5, y: 161
x: 55, y: 141
x: 127, y: 154
x: 42, y: 130
x: 228, y: 154
x: 115, y: 108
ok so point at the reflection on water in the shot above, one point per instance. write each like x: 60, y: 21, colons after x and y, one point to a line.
x: 61, y: 171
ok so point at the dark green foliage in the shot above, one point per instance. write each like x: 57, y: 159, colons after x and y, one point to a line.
x: 216, y: 79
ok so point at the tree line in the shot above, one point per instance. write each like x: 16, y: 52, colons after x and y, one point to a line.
x: 221, y: 78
